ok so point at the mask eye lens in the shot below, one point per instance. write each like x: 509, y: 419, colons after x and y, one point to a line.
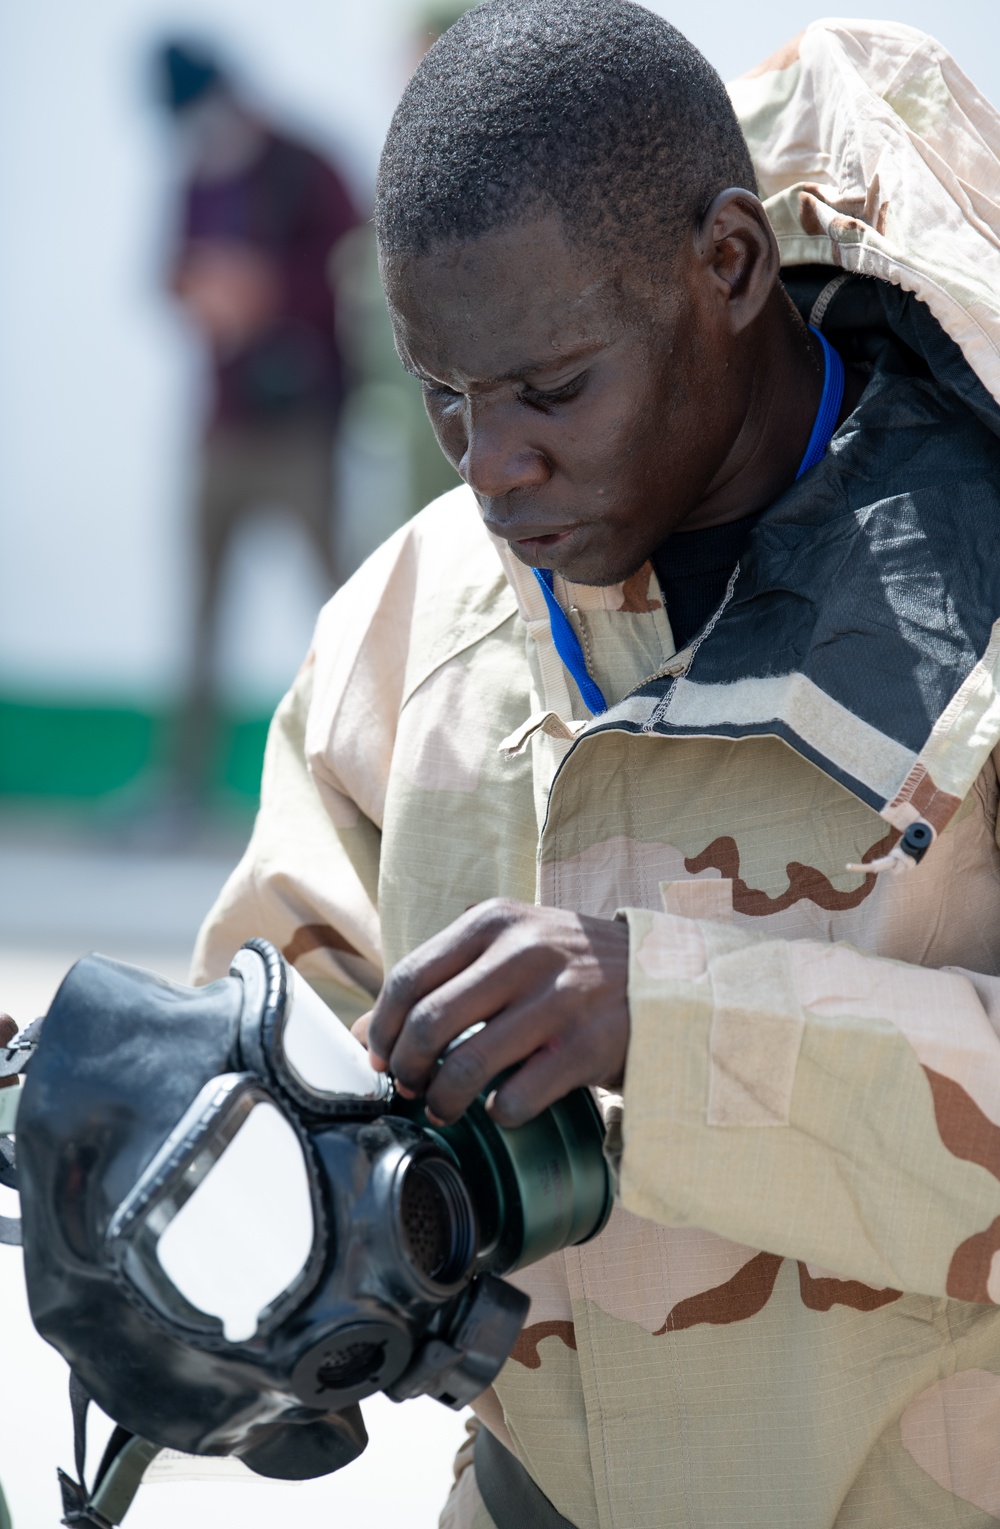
x: 244, y: 1236
x: 290, y: 1037
x: 319, y: 1055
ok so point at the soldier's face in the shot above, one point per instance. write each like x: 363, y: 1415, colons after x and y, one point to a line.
x: 586, y: 404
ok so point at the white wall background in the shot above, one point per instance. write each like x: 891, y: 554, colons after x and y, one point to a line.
x: 98, y: 383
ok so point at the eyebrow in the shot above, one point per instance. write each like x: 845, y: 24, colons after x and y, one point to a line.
x: 517, y: 372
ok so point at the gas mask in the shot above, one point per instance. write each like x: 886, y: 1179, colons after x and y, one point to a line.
x: 234, y: 1230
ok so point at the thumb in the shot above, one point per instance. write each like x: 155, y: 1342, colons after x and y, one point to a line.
x: 359, y: 1029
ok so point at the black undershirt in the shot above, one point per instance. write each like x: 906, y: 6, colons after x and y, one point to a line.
x: 693, y: 568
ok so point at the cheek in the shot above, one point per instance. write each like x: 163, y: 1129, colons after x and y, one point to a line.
x: 632, y: 448
x: 595, y: 443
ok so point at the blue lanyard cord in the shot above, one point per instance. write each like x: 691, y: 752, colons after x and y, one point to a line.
x: 832, y: 397
x: 567, y: 644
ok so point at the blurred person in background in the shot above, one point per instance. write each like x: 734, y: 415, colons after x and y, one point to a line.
x: 260, y: 217
x: 387, y: 398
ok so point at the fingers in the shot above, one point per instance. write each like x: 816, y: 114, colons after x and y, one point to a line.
x: 427, y: 969
x: 550, y: 1074
x: 359, y: 1029
x: 520, y: 1031
x: 482, y: 992
x: 547, y: 989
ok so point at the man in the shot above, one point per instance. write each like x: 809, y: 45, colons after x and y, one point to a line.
x: 261, y: 216
x: 706, y: 691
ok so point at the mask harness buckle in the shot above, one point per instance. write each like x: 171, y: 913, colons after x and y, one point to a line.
x: 16, y: 1051
x: 119, y: 1475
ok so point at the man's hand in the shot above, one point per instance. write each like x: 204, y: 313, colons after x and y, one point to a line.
x: 551, y: 987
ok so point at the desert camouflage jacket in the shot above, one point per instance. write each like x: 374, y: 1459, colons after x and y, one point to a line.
x: 792, y: 1317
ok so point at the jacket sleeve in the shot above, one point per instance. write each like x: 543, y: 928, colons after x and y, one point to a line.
x: 815, y: 1102
x: 309, y: 878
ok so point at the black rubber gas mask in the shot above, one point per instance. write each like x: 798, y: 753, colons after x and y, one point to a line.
x: 234, y: 1232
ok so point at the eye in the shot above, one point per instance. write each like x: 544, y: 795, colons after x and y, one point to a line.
x: 438, y: 390
x: 542, y: 399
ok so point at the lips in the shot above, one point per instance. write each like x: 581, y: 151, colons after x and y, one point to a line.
x: 535, y: 544
x: 529, y: 536
x: 544, y: 551
x: 550, y: 539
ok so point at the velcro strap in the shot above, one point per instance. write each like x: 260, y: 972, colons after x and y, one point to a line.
x: 512, y: 1499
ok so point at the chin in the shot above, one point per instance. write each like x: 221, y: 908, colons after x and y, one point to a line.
x: 596, y: 569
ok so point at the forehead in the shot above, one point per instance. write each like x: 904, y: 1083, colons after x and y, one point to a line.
x: 520, y: 293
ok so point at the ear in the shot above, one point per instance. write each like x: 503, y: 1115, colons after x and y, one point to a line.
x: 738, y: 254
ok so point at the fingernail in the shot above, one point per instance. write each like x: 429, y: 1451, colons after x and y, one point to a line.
x: 378, y: 1062
x: 435, y: 1120
x: 407, y: 1093
x: 502, y: 1115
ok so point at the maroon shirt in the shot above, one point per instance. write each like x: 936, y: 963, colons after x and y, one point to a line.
x: 293, y: 207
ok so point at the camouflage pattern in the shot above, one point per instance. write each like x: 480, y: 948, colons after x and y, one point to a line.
x: 792, y: 1318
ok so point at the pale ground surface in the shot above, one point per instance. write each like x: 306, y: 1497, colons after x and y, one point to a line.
x: 60, y: 898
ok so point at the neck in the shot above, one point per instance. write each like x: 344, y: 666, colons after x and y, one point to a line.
x: 785, y: 385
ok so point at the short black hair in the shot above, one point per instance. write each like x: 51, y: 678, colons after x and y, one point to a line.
x: 597, y: 109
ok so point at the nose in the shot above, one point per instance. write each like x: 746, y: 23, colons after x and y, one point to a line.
x: 498, y: 454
